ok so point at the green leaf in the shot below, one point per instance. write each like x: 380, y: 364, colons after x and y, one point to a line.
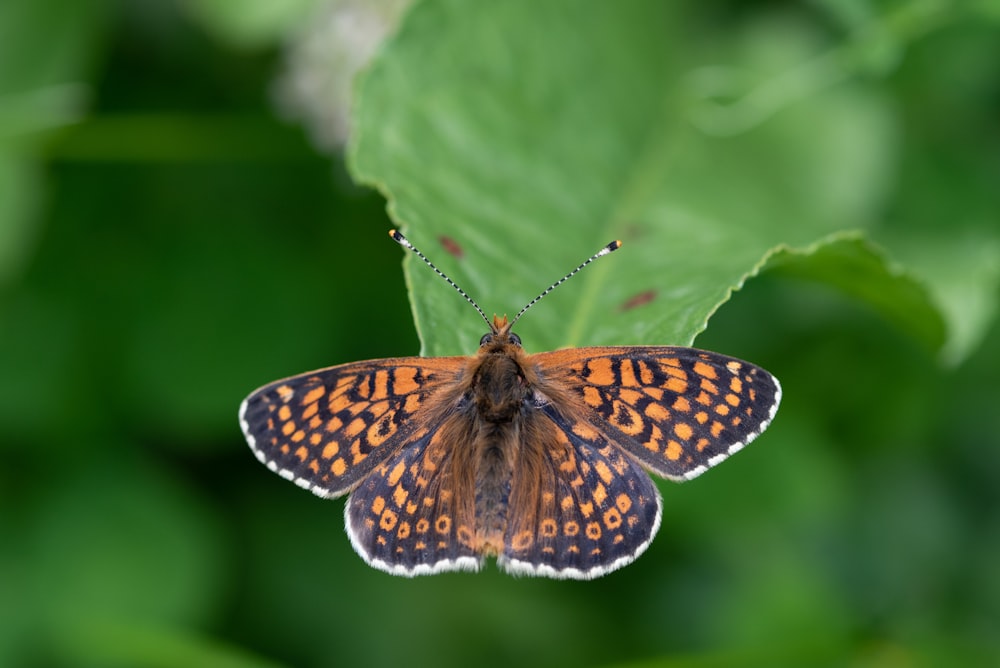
x: 514, y: 139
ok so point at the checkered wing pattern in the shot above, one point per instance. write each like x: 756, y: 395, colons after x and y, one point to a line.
x: 678, y: 411
x: 328, y: 429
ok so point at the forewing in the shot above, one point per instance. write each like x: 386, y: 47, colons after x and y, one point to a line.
x: 677, y: 410
x: 580, y: 507
x: 326, y: 430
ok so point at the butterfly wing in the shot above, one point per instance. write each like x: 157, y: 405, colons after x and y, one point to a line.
x: 326, y: 430
x: 414, y: 514
x: 679, y: 411
x: 579, y: 506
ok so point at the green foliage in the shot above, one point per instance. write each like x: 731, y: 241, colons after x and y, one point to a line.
x: 603, y: 121
x: 167, y: 244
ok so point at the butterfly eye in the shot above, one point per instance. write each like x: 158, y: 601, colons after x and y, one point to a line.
x: 515, y: 339
x: 486, y: 339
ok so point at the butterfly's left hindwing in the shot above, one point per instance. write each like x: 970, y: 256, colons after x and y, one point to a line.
x: 326, y: 430
x: 677, y: 410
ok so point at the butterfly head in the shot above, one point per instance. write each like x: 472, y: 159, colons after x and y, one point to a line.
x: 499, y: 337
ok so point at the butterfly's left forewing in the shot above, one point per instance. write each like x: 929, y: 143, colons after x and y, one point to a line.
x: 326, y: 430
x: 679, y: 411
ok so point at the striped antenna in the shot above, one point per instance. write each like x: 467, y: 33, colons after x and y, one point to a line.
x: 613, y: 246
x: 405, y: 243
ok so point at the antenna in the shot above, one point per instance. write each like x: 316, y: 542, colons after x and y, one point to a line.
x: 613, y: 246
x: 405, y: 243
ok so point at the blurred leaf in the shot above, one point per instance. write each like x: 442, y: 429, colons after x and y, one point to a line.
x: 513, y: 140
x: 251, y: 23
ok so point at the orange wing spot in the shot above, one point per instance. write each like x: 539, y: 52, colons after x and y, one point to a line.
x: 734, y: 366
x: 285, y: 413
x: 653, y: 444
x: 603, y: 471
x: 422, y: 526
x: 397, y: 472
x: 388, y: 520
x: 705, y: 371
x: 600, y: 494
x: 630, y: 396
x: 722, y: 409
x: 316, y: 422
x: 355, y: 427
x: 702, y: 444
x: 752, y: 393
x: 412, y: 403
x: 732, y: 400
x: 682, y: 404
x: 704, y: 399
x: 380, y: 431
x: 334, y: 424
x: 645, y: 373
x: 379, y: 408
x: 443, y: 524
x: 709, y: 386
x: 676, y: 385
x: 288, y: 428
x: 654, y: 392
x: 619, y: 538
x: 567, y: 502
x: 363, y: 390
x: 571, y: 529
x: 270, y: 424
x: 298, y: 436
x: 716, y: 428
x: 411, y: 508
x: 285, y: 393
x: 338, y: 466
x: 313, y: 395
x: 315, y: 438
x: 381, y: 385
x: 627, y: 419
x: 592, y: 396
x: 404, y: 530
x: 736, y: 421
x: 673, y: 450
x: 623, y: 503
x: 683, y: 430
x: 573, y: 549
x: 420, y: 545
x: 464, y: 534
x: 593, y: 531
x: 600, y: 371
x: 378, y: 505
x: 701, y: 417
x: 522, y: 541
x: 446, y: 495
x: 576, y: 482
x: 657, y: 412
x: 404, y: 380
x: 428, y: 501
x: 669, y: 361
x: 330, y: 449
x: 548, y: 528
x: 314, y: 466
x: 399, y: 496
x: 302, y: 453
x: 736, y: 385
x: 339, y: 403
x: 587, y: 509
x: 548, y: 498
x: 612, y: 518
x: 381, y: 540
x: 627, y: 372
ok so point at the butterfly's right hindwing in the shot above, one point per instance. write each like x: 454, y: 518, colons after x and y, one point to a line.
x: 326, y: 430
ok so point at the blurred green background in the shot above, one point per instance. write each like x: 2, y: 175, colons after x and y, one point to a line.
x: 177, y: 227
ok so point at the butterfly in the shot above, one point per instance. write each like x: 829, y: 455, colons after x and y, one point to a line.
x: 537, y: 460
